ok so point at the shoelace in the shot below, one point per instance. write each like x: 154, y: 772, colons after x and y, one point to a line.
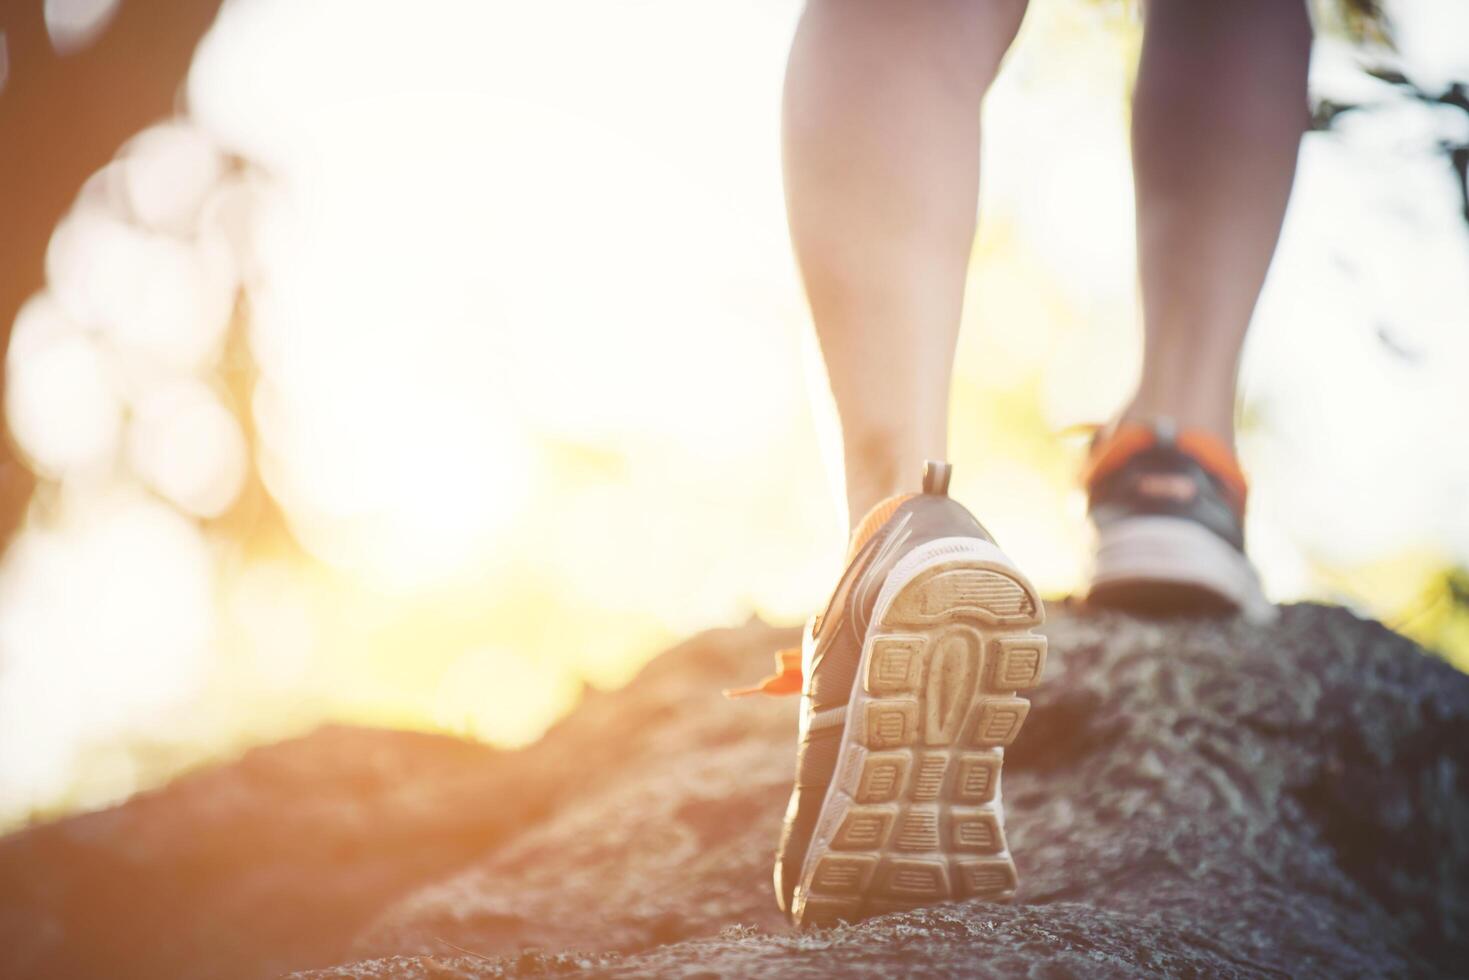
x: 787, y: 679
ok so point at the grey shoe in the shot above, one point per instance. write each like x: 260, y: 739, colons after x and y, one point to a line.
x: 909, y: 698
x: 1168, y: 508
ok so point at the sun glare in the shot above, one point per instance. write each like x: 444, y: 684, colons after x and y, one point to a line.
x: 142, y: 647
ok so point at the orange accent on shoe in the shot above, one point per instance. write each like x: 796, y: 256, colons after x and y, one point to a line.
x: 787, y: 678
x: 1112, y: 451
x: 874, y: 519
x: 1214, y: 456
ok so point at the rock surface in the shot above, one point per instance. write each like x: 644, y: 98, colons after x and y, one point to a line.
x: 1189, y: 797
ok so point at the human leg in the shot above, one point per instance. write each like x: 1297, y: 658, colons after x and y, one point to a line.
x: 882, y: 153
x: 881, y: 131
x: 1218, y: 116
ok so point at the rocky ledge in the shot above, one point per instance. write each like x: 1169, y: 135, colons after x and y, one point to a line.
x: 1190, y: 797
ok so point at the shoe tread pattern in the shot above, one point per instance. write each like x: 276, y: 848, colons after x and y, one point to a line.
x: 919, y: 819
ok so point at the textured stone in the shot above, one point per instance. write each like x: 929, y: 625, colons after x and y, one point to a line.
x: 1190, y: 797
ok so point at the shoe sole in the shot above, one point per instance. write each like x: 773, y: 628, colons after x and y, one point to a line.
x: 1170, y: 564
x: 914, y: 814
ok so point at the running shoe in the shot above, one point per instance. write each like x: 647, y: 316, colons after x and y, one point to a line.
x: 908, y: 687
x: 1168, y: 509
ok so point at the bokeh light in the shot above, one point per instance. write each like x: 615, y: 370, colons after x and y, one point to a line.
x: 159, y: 300
x: 501, y: 696
x: 74, y: 679
x: 184, y: 444
x: 63, y: 405
x: 169, y: 170
x: 74, y: 24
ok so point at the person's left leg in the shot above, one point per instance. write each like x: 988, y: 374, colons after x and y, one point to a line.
x: 1218, y: 116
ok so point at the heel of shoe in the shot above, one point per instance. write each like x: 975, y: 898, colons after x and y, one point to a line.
x: 915, y: 815
x: 1170, y: 564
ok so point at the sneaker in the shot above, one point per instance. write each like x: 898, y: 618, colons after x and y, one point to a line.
x: 1168, y: 509
x: 908, y: 684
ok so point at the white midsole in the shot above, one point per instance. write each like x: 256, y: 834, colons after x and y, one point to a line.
x: 1175, y: 549
x: 929, y: 554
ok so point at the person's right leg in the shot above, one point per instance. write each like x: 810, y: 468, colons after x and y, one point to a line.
x: 909, y: 678
x: 882, y: 105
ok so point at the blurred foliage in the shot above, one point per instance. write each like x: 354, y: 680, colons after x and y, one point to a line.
x: 1432, y: 595
x: 1455, y: 96
x: 1363, y: 21
x: 1441, y: 621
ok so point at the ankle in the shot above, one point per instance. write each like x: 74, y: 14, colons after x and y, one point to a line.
x: 1184, y: 418
x: 884, y: 463
x: 862, y: 500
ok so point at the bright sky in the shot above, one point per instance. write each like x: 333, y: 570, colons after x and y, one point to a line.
x: 529, y: 373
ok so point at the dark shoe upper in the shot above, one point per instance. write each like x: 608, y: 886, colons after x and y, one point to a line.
x: 833, y: 650
x: 1168, y: 508
x: 1151, y: 470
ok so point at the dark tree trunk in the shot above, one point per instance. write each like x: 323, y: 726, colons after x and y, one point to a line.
x: 61, y: 118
